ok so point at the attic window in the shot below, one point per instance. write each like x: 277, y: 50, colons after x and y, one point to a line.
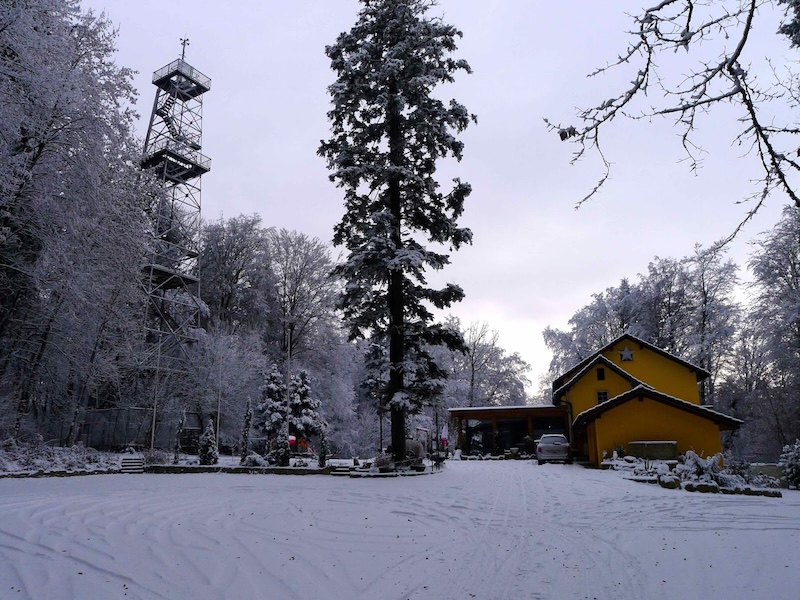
x: 601, y: 374
x: 602, y: 396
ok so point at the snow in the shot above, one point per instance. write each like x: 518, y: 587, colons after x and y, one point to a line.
x: 477, y: 529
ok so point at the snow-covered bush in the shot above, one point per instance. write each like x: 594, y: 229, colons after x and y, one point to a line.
x: 697, y: 468
x: 744, y: 471
x: 734, y: 476
x: 155, y: 457
x: 18, y: 457
x: 762, y: 480
x: 790, y: 461
x: 384, y: 461
x: 692, y: 472
x: 209, y: 454
x: 254, y: 460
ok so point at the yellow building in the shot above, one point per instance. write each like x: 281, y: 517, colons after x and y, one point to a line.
x: 631, y: 392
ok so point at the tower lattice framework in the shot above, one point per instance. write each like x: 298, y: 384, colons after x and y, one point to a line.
x: 172, y: 150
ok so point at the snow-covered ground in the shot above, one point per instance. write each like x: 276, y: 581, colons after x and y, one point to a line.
x: 479, y: 529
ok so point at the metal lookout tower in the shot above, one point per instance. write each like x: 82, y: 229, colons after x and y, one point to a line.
x: 171, y: 277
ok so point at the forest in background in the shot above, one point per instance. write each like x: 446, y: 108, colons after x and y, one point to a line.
x: 76, y: 220
x: 75, y: 223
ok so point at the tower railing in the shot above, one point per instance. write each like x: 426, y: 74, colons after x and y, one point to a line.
x: 181, y: 67
x: 180, y: 149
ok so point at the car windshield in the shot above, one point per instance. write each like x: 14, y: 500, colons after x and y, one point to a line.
x: 553, y: 439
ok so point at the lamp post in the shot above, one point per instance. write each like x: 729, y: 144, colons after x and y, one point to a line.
x: 219, y: 393
x: 288, y: 387
x: 155, y: 396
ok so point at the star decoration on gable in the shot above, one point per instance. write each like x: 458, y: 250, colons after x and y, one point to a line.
x: 626, y: 354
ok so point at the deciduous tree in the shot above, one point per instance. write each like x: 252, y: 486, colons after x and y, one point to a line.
x: 71, y: 219
x: 305, y: 287
x: 776, y: 267
x: 238, y: 285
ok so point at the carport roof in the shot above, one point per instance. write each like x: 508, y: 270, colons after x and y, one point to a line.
x: 507, y: 412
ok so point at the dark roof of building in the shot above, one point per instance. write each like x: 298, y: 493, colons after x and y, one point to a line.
x: 701, y: 373
x: 642, y: 391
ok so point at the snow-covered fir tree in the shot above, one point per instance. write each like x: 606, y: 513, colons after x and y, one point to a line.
x: 270, y: 413
x: 209, y: 454
x: 388, y: 131
x: 305, y: 419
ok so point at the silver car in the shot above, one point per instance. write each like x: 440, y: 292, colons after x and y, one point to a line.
x: 553, y: 447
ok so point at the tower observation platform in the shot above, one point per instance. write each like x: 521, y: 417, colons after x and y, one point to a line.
x: 182, y: 79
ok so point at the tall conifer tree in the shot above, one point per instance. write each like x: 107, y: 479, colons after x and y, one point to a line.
x: 388, y: 131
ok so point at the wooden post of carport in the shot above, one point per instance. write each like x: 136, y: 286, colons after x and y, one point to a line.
x: 460, y: 441
x: 529, y: 445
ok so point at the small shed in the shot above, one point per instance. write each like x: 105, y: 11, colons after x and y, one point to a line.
x: 497, y: 429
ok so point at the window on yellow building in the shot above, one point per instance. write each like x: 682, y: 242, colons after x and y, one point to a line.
x: 601, y: 374
x: 602, y: 396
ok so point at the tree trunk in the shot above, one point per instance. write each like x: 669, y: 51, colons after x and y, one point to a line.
x: 29, y: 382
x: 395, y: 287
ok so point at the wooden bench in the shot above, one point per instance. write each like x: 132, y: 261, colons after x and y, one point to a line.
x: 654, y: 450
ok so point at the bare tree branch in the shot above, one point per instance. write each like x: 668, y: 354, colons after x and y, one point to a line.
x: 724, y: 27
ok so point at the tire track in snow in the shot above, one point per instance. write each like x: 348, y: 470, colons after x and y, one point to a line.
x: 498, y: 542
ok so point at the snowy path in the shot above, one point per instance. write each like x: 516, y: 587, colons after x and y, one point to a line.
x: 485, y: 530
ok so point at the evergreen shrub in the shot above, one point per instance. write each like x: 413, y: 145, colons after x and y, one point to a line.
x: 790, y: 461
x: 209, y: 454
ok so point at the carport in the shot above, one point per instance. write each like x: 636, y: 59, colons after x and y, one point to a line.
x: 500, y: 429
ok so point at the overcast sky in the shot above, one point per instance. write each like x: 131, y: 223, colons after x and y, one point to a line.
x: 535, y: 260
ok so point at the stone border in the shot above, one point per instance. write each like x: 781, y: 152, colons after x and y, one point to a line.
x: 57, y: 473
x: 703, y: 487
x: 352, y: 472
x: 179, y: 469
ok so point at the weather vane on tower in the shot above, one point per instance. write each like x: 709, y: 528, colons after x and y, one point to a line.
x: 184, y: 43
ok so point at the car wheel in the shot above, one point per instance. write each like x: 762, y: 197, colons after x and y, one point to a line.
x: 541, y: 462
